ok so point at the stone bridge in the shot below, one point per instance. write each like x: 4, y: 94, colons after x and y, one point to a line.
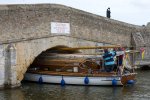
x: 28, y: 30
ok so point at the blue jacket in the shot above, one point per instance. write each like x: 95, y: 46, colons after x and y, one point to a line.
x: 109, y: 57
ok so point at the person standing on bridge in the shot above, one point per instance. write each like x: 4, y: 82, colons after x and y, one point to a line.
x: 108, y: 13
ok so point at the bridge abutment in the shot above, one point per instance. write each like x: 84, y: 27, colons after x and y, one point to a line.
x: 8, y: 61
x: 2, y: 66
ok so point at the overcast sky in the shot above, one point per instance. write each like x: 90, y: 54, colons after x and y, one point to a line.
x: 131, y: 11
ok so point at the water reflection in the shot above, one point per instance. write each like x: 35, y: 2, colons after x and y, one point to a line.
x: 12, y: 94
x: 34, y: 91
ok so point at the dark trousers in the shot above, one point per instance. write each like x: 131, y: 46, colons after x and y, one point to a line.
x: 109, y: 68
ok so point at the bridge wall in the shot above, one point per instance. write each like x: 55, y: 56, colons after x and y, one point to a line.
x: 33, y: 21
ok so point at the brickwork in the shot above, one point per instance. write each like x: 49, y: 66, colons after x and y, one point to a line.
x: 33, y: 21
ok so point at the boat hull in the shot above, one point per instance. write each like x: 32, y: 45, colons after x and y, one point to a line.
x: 74, y: 80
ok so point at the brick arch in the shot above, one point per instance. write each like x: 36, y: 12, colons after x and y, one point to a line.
x: 27, y: 51
x: 58, y: 49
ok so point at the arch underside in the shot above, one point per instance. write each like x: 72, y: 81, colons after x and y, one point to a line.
x: 28, y: 51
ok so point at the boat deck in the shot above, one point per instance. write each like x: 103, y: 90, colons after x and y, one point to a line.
x: 105, y: 74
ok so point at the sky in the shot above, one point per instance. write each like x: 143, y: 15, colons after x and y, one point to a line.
x: 130, y: 11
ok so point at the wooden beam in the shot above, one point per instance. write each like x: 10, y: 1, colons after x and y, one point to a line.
x: 94, y: 47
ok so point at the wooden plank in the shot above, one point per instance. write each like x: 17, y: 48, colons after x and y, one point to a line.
x: 55, y: 66
x: 55, y: 63
x: 64, y: 60
x: 94, y: 47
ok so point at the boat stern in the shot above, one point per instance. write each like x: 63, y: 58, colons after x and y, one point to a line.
x: 127, y: 79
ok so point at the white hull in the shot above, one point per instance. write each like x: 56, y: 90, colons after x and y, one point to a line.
x: 74, y: 80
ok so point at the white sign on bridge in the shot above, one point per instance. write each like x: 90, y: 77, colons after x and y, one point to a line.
x: 60, y: 28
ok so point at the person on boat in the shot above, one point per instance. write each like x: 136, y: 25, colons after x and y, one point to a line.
x: 109, y: 60
x: 120, y: 55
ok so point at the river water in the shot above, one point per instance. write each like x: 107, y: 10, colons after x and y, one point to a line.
x: 34, y: 91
